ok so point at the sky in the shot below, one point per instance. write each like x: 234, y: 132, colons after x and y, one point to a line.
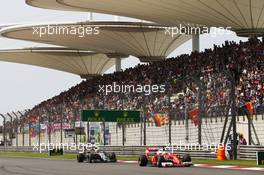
x: 23, y: 86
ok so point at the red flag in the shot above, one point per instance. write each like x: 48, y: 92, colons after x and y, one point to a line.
x: 193, y: 114
x: 33, y: 119
x: 250, y: 108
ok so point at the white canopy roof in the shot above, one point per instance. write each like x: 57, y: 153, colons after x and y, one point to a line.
x: 78, y: 62
x: 143, y: 40
x: 244, y: 16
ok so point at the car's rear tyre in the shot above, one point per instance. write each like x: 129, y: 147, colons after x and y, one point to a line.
x: 90, y: 158
x: 142, y: 160
x: 80, y: 158
x: 161, y: 159
x: 186, y: 158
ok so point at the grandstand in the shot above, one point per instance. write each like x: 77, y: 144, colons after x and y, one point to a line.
x: 86, y: 96
x: 208, y: 94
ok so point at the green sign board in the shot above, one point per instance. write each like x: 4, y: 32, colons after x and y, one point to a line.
x: 56, y: 152
x: 260, y: 158
x: 111, y: 116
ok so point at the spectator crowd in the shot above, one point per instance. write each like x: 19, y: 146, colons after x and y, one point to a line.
x: 210, y: 74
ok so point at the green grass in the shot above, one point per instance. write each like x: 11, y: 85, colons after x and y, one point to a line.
x: 65, y: 156
x: 130, y: 158
x: 227, y: 162
x: 36, y: 155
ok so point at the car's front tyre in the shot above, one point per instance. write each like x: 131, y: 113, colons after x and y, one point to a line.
x: 142, y: 160
x: 112, y: 157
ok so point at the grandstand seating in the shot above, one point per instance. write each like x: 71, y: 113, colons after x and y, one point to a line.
x: 244, y: 60
x: 242, y: 57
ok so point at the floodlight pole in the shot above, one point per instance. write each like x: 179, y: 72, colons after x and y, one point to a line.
x: 88, y: 128
x: 186, y: 119
x: 61, y: 123
x: 200, y: 115
x: 123, y: 127
x: 104, y: 128
x: 49, y: 127
x: 141, y: 128
x: 170, y: 115
x: 145, y: 129
x: 233, y: 111
x: 144, y: 121
x: 201, y: 102
x: 39, y: 128
x: 75, y: 118
x: 11, y: 127
x: 232, y: 79
x: 23, y: 130
x: 4, y: 129
x: 249, y: 129
x: 16, y: 128
x: 29, y: 131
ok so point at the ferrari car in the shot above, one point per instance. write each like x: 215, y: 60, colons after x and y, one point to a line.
x: 94, y: 155
x: 162, y: 158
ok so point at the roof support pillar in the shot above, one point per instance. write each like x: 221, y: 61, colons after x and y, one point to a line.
x: 196, y: 42
x: 118, y: 64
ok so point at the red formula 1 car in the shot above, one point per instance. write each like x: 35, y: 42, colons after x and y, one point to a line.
x: 161, y: 158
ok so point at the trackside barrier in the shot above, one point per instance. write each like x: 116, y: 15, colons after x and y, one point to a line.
x: 245, y: 152
x: 249, y: 152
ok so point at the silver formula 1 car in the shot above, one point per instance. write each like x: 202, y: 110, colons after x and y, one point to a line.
x: 94, y: 155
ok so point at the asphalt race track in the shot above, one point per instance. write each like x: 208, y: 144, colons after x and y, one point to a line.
x: 30, y: 166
